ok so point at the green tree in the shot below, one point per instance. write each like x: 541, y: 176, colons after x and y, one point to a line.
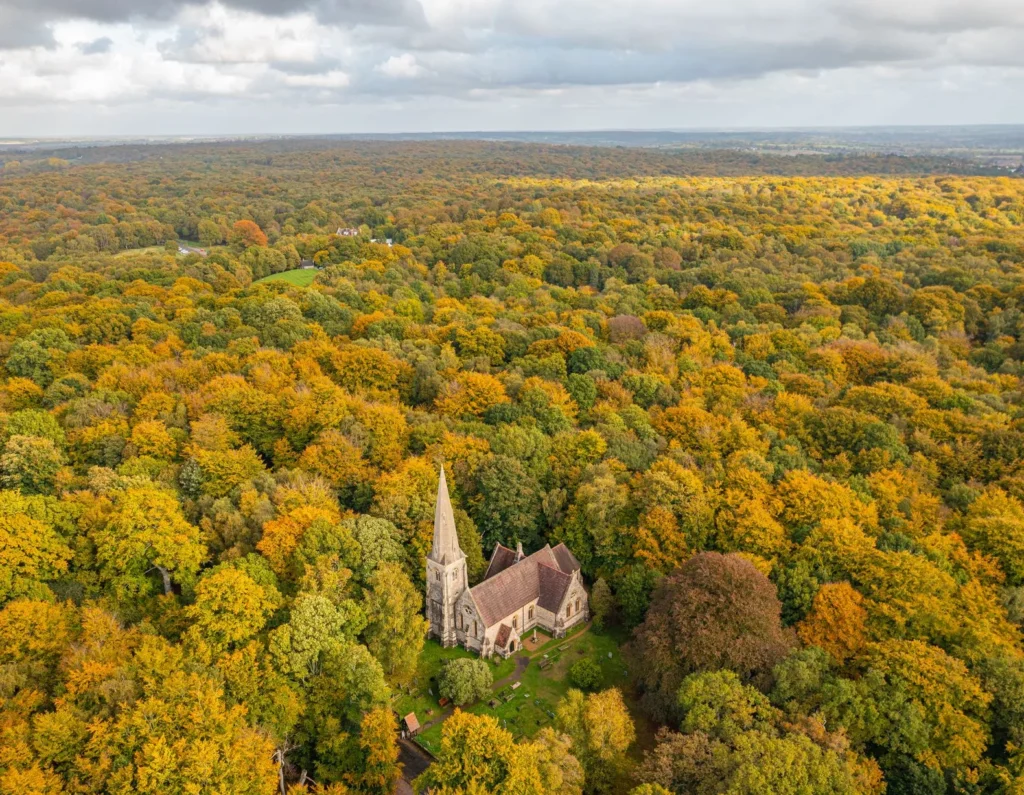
x: 602, y: 603
x: 508, y: 507
x: 316, y: 626
x: 585, y: 674
x: 464, y: 681
x: 379, y: 542
x: 396, y: 629
x: 719, y: 705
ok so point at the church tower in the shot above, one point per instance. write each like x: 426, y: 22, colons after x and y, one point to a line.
x: 446, y: 570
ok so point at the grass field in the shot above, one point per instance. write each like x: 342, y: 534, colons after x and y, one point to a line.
x: 134, y: 252
x: 299, y: 277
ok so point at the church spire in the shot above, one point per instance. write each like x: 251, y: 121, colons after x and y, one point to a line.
x: 446, y: 541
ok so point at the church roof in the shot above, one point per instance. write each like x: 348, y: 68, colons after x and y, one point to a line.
x: 503, y: 632
x: 537, y: 577
x: 553, y: 585
x: 501, y: 559
x: 446, y: 547
x: 566, y: 560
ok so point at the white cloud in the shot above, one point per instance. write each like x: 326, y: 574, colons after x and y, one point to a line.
x: 615, y: 63
x: 217, y: 34
x: 402, y: 66
x: 333, y: 79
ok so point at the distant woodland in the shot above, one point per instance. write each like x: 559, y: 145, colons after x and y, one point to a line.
x: 774, y: 405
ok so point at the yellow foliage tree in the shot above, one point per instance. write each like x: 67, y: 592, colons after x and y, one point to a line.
x: 281, y: 535
x: 836, y: 621
x: 470, y: 395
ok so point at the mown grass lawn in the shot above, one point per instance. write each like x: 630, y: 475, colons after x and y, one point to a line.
x: 533, y: 703
x: 418, y: 697
x: 300, y: 277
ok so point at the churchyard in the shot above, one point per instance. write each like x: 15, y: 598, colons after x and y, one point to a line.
x: 523, y: 703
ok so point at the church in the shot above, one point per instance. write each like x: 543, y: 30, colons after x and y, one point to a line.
x: 518, y: 592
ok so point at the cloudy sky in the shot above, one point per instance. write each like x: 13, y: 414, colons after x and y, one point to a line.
x: 111, y: 67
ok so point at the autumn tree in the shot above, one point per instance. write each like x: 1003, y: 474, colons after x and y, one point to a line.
x: 601, y: 731
x: 146, y: 532
x: 247, y: 233
x: 230, y: 608
x: 378, y: 769
x: 31, y: 550
x: 995, y: 525
x: 476, y: 755
x: 470, y: 395
x: 716, y: 612
x: 836, y: 621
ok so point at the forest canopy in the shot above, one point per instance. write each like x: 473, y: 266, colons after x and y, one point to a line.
x: 776, y: 415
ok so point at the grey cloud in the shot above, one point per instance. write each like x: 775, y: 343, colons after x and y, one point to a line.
x: 397, y: 13
x: 321, y: 65
x: 504, y: 67
x: 97, y: 47
x: 97, y: 10
x: 509, y: 47
x: 20, y: 28
x: 343, y: 12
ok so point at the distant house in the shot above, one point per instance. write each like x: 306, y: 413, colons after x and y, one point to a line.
x: 347, y: 232
x: 307, y: 264
x: 183, y: 249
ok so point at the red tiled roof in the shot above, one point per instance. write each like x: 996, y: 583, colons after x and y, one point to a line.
x: 411, y: 723
x: 503, y: 632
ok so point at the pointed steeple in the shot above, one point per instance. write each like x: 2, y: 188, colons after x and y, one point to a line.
x: 446, y: 547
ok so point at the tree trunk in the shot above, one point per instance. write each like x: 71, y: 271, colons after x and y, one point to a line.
x: 279, y: 755
x: 167, y: 579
